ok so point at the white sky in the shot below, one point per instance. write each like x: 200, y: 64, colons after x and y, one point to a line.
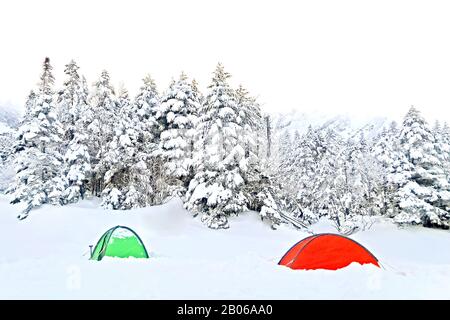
x: 363, y: 57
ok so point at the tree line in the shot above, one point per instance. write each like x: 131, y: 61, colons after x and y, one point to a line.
x: 220, y: 154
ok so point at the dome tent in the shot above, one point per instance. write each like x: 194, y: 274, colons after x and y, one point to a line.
x: 120, y: 242
x: 326, y: 251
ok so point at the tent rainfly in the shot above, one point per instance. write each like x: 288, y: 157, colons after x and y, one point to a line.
x: 120, y: 242
x: 326, y: 251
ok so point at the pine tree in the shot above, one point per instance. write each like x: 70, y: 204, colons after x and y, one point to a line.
x: 146, y: 103
x: 358, y: 185
x: 68, y: 101
x: 143, y: 113
x: 178, y: 118
x: 38, y: 162
x: 299, y: 176
x: 445, y: 141
x: 386, y: 153
x: 129, y: 178
x: 445, y: 133
x: 285, y: 147
x: 260, y: 190
x: 7, y: 157
x: 72, y: 107
x: 6, y: 140
x: 197, y: 146
x: 123, y: 98
x: 30, y: 104
x: 324, y: 185
x: 126, y: 169
x: 264, y: 196
x: 250, y: 114
x: 77, y: 169
x: 423, y: 195
x: 297, y: 137
x: 105, y: 106
x: 216, y: 191
x: 119, y: 158
x: 442, y: 145
x: 196, y: 93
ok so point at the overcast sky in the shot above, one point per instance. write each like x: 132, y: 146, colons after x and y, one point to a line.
x: 361, y: 57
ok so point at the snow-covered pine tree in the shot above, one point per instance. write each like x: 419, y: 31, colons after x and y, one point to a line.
x: 118, y: 159
x: 146, y: 174
x: 250, y: 113
x: 146, y: 104
x: 216, y: 191
x: 298, y: 176
x: 324, y: 184
x: 264, y: 196
x: 308, y: 178
x: 442, y: 145
x: 179, y: 110
x: 445, y: 133
x: 423, y: 195
x: 7, y: 156
x: 144, y: 110
x: 437, y: 128
x: 196, y: 93
x: 334, y: 177
x: 6, y: 140
x: 104, y: 105
x: 77, y: 168
x: 6, y: 160
x: 123, y: 98
x: 386, y: 153
x: 197, y: 141
x: 297, y: 137
x: 72, y: 109
x: 285, y: 147
x: 261, y: 191
x: 19, y: 143
x: 132, y: 177
x: 283, y: 160
x: 38, y: 161
x: 67, y: 101
x: 29, y: 106
x: 445, y: 140
x: 357, y: 185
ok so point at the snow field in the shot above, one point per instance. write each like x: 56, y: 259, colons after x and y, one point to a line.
x: 46, y: 256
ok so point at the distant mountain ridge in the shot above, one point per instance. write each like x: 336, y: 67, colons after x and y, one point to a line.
x: 345, y: 125
x: 9, y: 119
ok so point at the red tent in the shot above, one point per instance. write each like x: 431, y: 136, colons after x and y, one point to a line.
x: 326, y: 251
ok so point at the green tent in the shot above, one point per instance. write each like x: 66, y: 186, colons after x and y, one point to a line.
x: 121, y: 242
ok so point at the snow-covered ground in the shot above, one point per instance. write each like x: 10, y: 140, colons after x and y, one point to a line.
x: 46, y: 256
